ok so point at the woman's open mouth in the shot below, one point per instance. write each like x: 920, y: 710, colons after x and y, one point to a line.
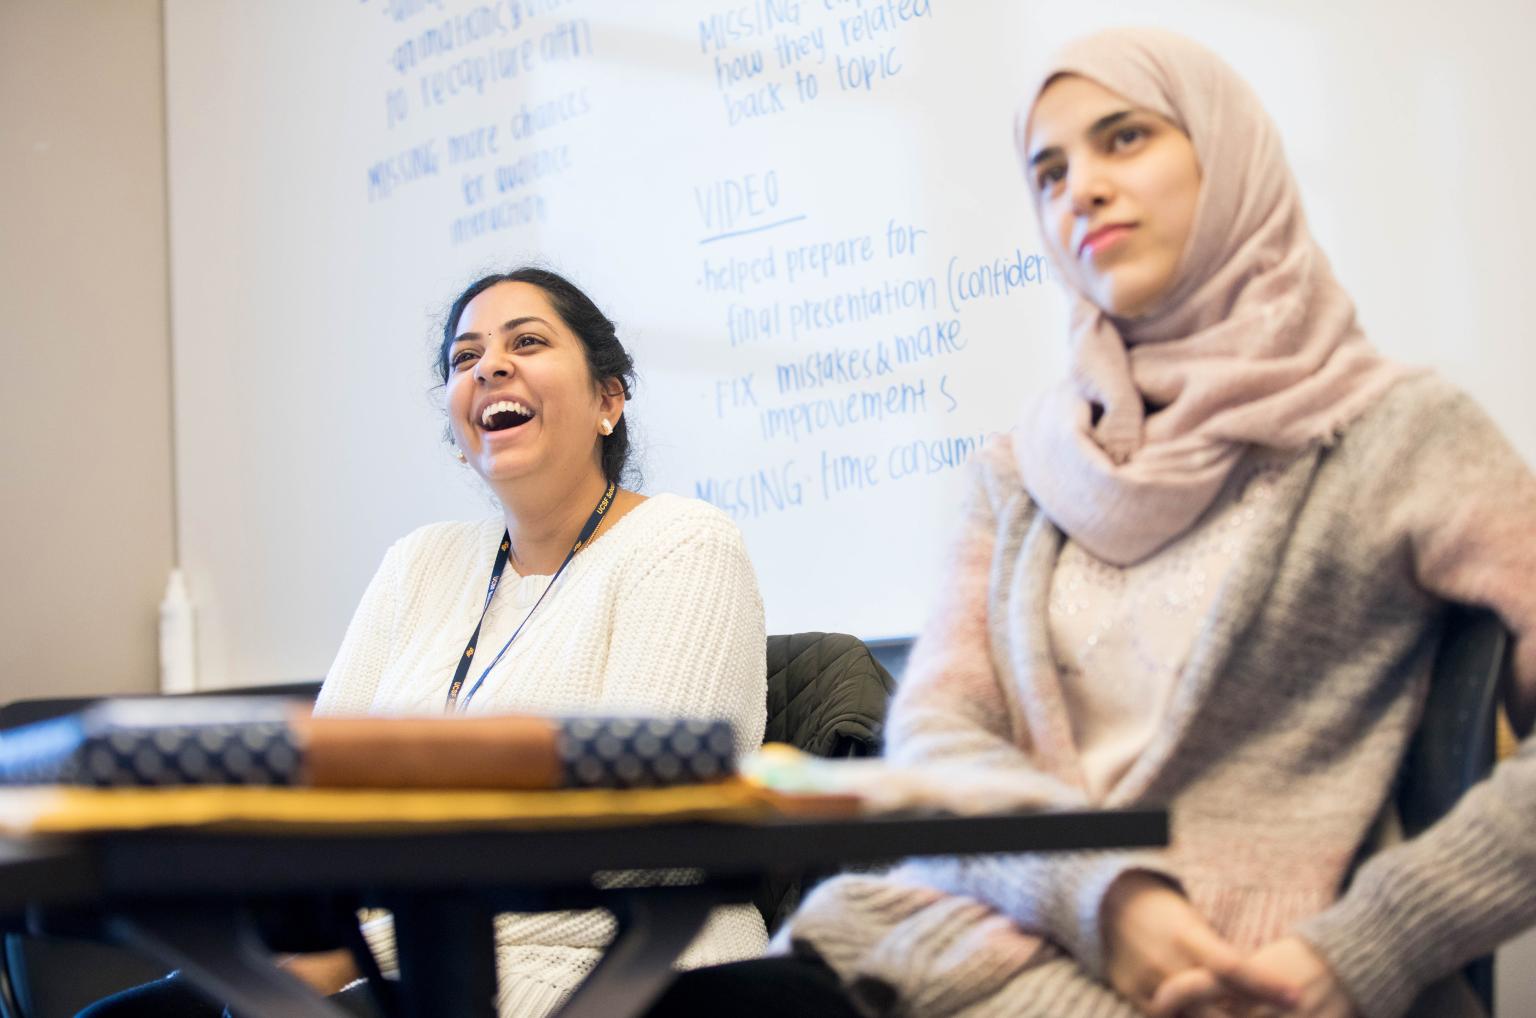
x: 504, y: 415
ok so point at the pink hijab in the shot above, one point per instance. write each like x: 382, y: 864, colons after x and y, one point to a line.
x: 1254, y: 343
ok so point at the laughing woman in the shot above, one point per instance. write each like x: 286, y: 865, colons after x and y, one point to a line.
x: 579, y: 596
x: 648, y: 605
x: 1208, y: 570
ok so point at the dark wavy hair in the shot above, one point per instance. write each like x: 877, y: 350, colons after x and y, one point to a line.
x: 606, y: 356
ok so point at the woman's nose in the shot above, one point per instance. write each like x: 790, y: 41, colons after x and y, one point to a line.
x: 493, y: 364
x: 1090, y: 190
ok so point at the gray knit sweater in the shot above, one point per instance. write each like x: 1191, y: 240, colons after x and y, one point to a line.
x: 1276, y: 754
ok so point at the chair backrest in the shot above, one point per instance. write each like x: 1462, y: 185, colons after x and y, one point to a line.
x: 1455, y: 745
x: 1456, y: 742
x: 827, y: 696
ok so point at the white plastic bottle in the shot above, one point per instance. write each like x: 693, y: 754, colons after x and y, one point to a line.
x: 178, y: 651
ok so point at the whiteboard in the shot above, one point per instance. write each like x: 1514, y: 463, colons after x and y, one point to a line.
x: 806, y: 217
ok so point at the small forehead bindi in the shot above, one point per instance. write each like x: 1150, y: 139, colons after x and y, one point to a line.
x: 510, y: 325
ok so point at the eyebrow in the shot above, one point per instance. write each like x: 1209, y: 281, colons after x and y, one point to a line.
x: 1099, y: 126
x: 507, y: 326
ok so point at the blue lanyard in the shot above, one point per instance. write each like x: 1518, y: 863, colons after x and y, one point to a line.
x: 462, y: 672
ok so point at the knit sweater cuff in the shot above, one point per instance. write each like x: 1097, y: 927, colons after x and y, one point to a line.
x: 1419, y: 910
x: 1083, y: 883
x: 1368, y: 943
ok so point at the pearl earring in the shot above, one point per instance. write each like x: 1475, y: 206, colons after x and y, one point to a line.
x: 458, y: 454
x: 605, y: 426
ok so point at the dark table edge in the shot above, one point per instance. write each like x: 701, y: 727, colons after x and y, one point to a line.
x: 179, y: 862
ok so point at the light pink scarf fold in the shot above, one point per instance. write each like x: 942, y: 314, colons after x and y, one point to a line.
x: 1254, y: 343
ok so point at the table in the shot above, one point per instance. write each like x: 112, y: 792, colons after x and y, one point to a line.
x: 182, y: 895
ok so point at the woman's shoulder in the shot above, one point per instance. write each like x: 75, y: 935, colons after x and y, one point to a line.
x: 995, y: 477
x: 1423, y: 407
x: 1419, y: 453
x: 667, y: 520
x: 1419, y: 393
x: 448, y: 541
x: 668, y: 513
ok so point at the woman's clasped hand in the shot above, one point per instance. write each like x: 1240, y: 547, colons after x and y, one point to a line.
x: 1162, y: 955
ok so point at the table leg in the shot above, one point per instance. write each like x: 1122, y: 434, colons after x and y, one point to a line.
x: 221, y: 954
x: 655, y: 926
x: 447, y: 952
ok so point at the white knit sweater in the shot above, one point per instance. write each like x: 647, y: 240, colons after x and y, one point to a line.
x: 660, y: 615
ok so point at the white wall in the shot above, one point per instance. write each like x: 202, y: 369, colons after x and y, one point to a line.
x: 85, y: 401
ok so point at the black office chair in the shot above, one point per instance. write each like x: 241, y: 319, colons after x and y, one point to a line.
x: 827, y: 696
x: 1456, y: 743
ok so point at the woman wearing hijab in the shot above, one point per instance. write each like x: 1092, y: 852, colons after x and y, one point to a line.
x: 1208, y: 571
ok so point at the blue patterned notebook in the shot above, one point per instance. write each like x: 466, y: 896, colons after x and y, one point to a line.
x: 260, y: 741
